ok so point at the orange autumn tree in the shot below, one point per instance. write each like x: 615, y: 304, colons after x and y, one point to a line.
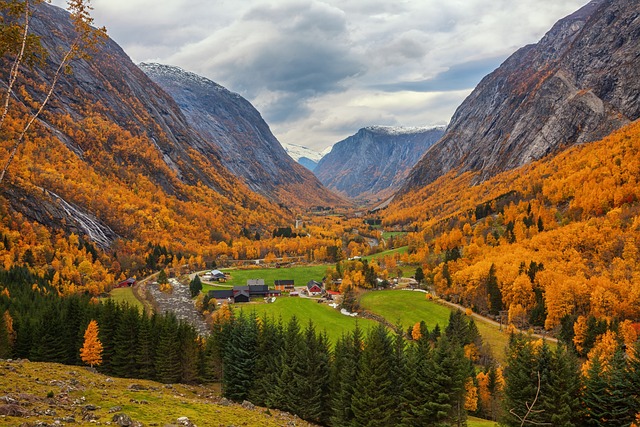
x: 91, y: 351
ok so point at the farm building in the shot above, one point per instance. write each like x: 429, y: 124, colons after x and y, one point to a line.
x: 284, y: 285
x: 126, y: 283
x: 314, y: 288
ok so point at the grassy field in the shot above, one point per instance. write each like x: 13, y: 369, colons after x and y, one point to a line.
x: 400, y: 251
x: 305, y: 309
x: 405, y: 307
x: 479, y: 422
x: 125, y: 295
x: 410, y: 307
x: 300, y: 275
x: 70, y: 388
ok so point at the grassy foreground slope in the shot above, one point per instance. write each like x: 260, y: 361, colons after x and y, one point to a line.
x: 34, y: 390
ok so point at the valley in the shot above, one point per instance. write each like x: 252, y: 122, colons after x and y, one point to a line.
x: 164, y: 255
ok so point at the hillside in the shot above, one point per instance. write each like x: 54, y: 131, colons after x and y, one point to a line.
x: 52, y: 393
x: 373, y: 163
x: 548, y: 242
x: 579, y: 83
x: 235, y: 129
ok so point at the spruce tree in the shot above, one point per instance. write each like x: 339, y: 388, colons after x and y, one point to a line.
x: 562, y: 401
x: 144, y: 355
x: 269, y: 347
x: 239, y: 356
x: 521, y: 380
x: 167, y: 364
x: 344, y: 372
x: 189, y: 353
x: 125, y: 343
x: 5, y: 343
x: 315, y: 390
x: 195, y: 286
x: 373, y: 404
x: 48, y: 347
x: 288, y: 390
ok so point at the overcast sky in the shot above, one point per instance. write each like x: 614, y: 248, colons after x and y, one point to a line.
x: 320, y: 70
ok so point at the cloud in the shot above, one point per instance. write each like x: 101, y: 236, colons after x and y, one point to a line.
x: 465, y: 75
x: 318, y: 70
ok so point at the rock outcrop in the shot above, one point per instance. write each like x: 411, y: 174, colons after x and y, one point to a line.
x: 577, y: 85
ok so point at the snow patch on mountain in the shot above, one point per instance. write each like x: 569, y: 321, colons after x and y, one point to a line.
x: 403, y: 130
x: 298, y: 151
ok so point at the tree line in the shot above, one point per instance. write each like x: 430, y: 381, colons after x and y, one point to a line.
x: 366, y: 379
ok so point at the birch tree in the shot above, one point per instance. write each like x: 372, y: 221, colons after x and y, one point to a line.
x: 16, y: 40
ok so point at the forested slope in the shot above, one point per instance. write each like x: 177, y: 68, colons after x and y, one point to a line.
x: 548, y: 242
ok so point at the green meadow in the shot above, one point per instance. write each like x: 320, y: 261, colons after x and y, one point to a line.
x: 324, y: 317
x: 300, y: 275
x: 126, y: 296
x: 408, y: 308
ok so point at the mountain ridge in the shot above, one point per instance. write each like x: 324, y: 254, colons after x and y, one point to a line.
x: 578, y: 84
x: 236, y: 129
x: 373, y: 162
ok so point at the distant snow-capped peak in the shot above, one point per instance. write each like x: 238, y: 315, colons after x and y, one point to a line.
x: 403, y: 130
x: 298, y: 151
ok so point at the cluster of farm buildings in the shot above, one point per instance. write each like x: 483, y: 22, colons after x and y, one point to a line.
x: 256, y: 288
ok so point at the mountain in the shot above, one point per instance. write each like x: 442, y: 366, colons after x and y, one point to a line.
x: 233, y: 127
x: 374, y: 162
x: 578, y: 84
x: 305, y: 156
x: 113, y: 156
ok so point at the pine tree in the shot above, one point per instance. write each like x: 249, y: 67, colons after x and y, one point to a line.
x: 344, y: 372
x: 195, y: 286
x: 144, y: 355
x: 239, y: 358
x: 125, y: 343
x: 287, y: 393
x: 595, y: 392
x: 91, y: 351
x: 373, y: 404
x: 167, y: 358
x: 315, y: 391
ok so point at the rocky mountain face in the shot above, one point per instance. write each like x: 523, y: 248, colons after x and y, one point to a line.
x: 578, y: 84
x: 230, y: 125
x: 374, y: 162
x: 130, y: 138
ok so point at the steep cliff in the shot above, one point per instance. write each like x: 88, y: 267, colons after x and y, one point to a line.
x: 114, y: 156
x: 231, y: 125
x: 578, y: 84
x: 373, y: 163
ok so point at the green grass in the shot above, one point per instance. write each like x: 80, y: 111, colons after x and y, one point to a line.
x: 400, y: 251
x: 299, y: 274
x: 479, y: 422
x: 125, y: 295
x: 405, y: 307
x: 411, y: 307
x: 324, y: 317
x: 30, y: 383
x: 387, y: 234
